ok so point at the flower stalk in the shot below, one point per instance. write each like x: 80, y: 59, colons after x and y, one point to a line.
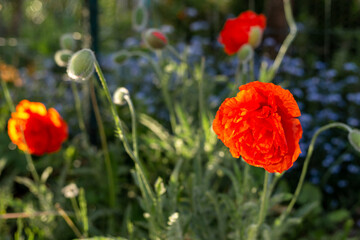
x: 29, y: 160
x: 288, y: 40
x: 142, y: 180
x: 306, y: 164
x: 133, y: 123
x: 254, y: 229
x: 103, y: 144
x: 78, y: 108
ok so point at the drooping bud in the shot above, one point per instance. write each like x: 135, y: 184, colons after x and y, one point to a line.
x: 70, y: 191
x: 68, y: 42
x: 121, y: 56
x: 81, y: 65
x: 354, y: 138
x: 140, y: 17
x: 155, y: 39
x: 119, y: 96
x: 62, y: 57
x: 255, y: 36
x: 245, y: 53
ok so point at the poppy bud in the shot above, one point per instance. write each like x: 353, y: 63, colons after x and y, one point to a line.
x: 81, y: 65
x: 245, y: 53
x: 255, y: 36
x: 70, y: 191
x: 140, y: 17
x: 67, y: 42
x: 62, y: 57
x: 354, y: 139
x: 121, y: 56
x: 155, y: 39
x: 119, y: 96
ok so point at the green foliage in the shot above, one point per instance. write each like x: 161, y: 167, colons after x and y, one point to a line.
x: 191, y: 187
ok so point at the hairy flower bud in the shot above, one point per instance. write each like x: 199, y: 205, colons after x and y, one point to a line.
x: 354, y: 139
x: 155, y: 39
x: 119, y: 96
x: 121, y: 56
x: 68, y: 42
x: 245, y: 53
x: 81, y: 65
x: 255, y: 36
x: 140, y: 17
x: 62, y: 57
x: 70, y: 191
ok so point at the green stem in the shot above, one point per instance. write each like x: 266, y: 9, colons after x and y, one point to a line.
x: 288, y: 40
x: 151, y: 61
x: 245, y: 186
x: 254, y: 230
x: 264, y: 196
x: 239, y: 78
x: 76, y: 208
x: 307, y: 161
x: 28, y: 157
x: 274, y: 182
x: 104, y: 145
x: 7, y: 96
x: 30, y: 162
x: 164, y: 87
x: 147, y: 192
x: 133, y: 122
x: 173, y: 51
x: 198, y: 161
x: 78, y: 108
x: 251, y: 69
x: 168, y: 102
x: 201, y: 90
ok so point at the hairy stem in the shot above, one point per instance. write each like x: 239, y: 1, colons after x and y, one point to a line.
x: 104, y: 145
x: 288, y: 40
x: 307, y: 161
x: 145, y: 186
x: 78, y: 108
x: 133, y: 123
x: 29, y: 160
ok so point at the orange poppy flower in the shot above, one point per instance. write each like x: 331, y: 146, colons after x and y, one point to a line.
x: 260, y: 124
x: 246, y: 28
x: 44, y: 130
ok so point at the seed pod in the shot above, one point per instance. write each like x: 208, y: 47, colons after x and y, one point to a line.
x: 81, y: 65
x: 155, y: 39
x: 62, y: 57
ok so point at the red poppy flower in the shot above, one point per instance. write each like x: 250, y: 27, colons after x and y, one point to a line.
x: 44, y: 130
x: 260, y: 124
x: 246, y: 28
